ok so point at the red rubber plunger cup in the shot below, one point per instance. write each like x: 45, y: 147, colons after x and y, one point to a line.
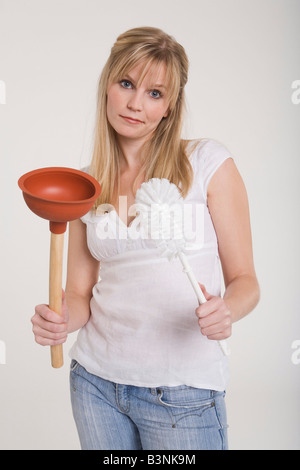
x: 59, y: 195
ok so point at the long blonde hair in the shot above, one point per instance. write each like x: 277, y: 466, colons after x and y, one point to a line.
x: 164, y: 155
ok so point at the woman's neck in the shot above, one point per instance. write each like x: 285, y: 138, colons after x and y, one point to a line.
x: 131, y: 154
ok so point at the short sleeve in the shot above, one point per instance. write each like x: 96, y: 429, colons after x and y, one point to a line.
x: 211, y: 155
x: 89, y: 216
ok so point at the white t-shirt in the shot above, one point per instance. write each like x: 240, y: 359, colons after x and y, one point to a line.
x: 143, y: 329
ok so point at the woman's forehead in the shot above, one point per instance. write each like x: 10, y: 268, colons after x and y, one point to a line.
x: 154, y: 74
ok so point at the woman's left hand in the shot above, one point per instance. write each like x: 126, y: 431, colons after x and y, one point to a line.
x: 214, y: 317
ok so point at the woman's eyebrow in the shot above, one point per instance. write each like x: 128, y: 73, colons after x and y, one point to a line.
x: 128, y: 77
x: 157, y: 85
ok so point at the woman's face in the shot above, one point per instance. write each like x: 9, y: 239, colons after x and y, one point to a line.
x: 135, y: 111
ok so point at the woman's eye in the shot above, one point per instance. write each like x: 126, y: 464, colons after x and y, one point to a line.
x: 155, y: 94
x: 126, y: 84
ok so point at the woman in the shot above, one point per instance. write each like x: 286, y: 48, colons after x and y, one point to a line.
x: 146, y: 372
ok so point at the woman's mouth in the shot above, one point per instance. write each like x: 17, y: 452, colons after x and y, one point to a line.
x: 131, y: 120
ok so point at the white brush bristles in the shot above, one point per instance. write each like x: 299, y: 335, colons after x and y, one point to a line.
x: 161, y: 214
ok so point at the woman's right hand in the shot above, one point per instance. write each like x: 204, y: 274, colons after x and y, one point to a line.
x: 50, y: 328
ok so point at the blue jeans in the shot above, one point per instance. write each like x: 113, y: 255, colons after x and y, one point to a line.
x: 111, y: 416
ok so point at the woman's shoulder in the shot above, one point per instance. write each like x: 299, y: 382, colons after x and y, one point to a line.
x: 85, y: 169
x: 206, y: 155
x: 204, y: 148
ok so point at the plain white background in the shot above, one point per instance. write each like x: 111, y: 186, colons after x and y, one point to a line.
x: 244, y: 57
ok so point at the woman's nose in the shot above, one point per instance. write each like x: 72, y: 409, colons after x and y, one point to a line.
x: 135, y: 102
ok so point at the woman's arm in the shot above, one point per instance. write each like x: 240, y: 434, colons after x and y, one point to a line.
x: 228, y: 205
x: 50, y: 328
x: 82, y: 275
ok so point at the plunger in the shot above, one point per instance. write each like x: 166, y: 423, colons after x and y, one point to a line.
x: 59, y: 195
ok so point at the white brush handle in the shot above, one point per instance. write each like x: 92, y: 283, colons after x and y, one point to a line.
x: 188, y: 270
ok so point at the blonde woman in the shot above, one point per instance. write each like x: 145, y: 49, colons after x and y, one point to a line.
x: 147, y: 371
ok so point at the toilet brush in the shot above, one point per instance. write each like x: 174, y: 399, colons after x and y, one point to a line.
x: 160, y: 205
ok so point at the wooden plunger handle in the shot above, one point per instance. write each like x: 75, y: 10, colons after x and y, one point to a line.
x: 55, y: 289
